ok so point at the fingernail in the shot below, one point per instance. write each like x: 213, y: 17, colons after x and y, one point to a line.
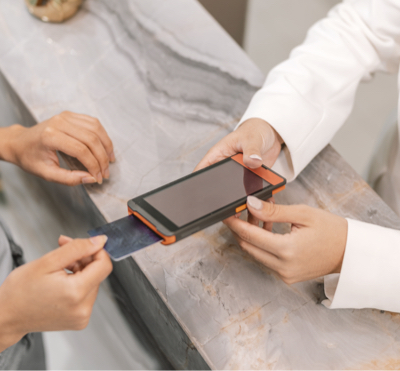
x: 254, y: 202
x: 99, y: 240
x: 88, y: 180
x: 256, y: 157
x: 99, y: 178
x: 107, y: 173
x: 112, y: 157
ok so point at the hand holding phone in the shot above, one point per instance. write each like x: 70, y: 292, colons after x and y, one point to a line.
x: 189, y: 204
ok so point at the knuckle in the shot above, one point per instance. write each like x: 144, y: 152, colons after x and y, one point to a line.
x: 93, y: 139
x: 84, y: 312
x: 81, y: 322
x: 95, y: 122
x: 287, y: 253
x: 80, y: 244
x: 57, y: 120
x: 290, y: 281
x: 287, y: 275
x: 284, y: 274
x: 274, y: 210
x: 109, y: 265
x: 47, y: 134
x: 65, y: 113
x: 286, y: 280
x: 74, y: 296
x: 83, y: 152
x: 242, y: 244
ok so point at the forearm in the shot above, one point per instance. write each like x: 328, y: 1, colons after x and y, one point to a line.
x: 7, y: 142
x: 308, y: 97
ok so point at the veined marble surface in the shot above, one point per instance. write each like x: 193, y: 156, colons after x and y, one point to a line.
x: 167, y: 83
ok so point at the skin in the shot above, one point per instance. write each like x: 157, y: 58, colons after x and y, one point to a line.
x: 35, y: 149
x: 41, y: 295
x: 316, y: 244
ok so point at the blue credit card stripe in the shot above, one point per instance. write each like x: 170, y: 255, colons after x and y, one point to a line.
x: 125, y: 236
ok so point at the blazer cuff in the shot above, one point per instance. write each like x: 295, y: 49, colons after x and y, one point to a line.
x: 370, y: 275
x: 294, y: 118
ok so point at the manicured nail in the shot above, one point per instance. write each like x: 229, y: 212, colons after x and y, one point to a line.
x: 99, y: 240
x: 254, y: 202
x: 99, y: 178
x: 107, y: 173
x: 256, y: 157
x: 88, y: 180
x: 112, y: 157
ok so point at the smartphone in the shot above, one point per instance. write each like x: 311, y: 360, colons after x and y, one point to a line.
x: 196, y: 201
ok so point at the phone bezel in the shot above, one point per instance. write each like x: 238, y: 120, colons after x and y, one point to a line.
x: 166, y: 227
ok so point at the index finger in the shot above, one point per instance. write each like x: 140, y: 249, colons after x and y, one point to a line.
x: 218, y: 152
x: 94, y: 125
x: 256, y: 236
x: 94, y: 272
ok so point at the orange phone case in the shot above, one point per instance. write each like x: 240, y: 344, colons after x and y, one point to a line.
x: 263, y: 172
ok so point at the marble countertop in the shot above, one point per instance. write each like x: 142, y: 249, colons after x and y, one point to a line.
x: 167, y: 83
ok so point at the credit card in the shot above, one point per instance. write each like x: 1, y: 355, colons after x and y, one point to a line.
x: 126, y: 236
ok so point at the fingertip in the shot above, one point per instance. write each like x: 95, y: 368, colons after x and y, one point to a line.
x: 88, y: 180
x: 99, y: 178
x: 228, y: 221
x: 254, y: 203
x: 62, y: 240
x: 201, y: 165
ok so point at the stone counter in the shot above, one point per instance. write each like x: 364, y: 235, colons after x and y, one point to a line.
x: 167, y: 83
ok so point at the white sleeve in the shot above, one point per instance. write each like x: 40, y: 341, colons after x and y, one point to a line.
x: 309, y: 96
x: 370, y: 275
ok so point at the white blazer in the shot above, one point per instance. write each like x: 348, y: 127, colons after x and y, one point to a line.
x: 306, y: 99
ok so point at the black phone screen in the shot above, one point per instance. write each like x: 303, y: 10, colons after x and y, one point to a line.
x: 205, y: 192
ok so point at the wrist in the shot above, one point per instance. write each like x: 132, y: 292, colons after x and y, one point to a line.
x: 9, y: 333
x: 9, y: 142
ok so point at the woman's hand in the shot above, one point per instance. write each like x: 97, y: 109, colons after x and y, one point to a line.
x: 314, y: 247
x: 255, y: 138
x: 35, y: 149
x: 42, y: 296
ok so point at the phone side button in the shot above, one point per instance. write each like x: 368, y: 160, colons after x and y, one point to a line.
x: 275, y: 191
x: 240, y: 208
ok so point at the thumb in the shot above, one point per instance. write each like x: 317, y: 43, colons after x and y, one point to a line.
x: 72, y: 252
x: 68, y: 177
x: 252, y: 156
x: 269, y: 212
